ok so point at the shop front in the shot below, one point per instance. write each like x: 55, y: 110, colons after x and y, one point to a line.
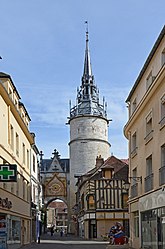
x: 153, y: 228
x: 152, y: 216
x: 14, y: 221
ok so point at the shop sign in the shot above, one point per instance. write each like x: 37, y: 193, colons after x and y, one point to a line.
x: 5, y: 203
x: 8, y: 172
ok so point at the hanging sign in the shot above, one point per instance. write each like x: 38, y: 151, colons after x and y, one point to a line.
x: 8, y: 172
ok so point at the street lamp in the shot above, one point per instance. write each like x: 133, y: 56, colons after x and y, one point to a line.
x: 126, y: 185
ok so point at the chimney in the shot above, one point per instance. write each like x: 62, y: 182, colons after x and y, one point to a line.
x: 99, y: 161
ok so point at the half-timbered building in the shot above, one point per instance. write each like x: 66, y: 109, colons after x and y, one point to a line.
x: 101, y: 198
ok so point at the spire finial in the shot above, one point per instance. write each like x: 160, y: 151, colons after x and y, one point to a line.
x: 86, y: 22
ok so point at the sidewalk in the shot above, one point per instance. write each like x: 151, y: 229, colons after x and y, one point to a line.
x: 119, y: 247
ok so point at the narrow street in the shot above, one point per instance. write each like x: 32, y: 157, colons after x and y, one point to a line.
x: 57, y: 242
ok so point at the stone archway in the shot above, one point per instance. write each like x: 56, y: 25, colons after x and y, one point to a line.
x: 57, y: 215
x: 55, y: 179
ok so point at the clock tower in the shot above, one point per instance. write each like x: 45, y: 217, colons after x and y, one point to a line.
x: 88, y: 127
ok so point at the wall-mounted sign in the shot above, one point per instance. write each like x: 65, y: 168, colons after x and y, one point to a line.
x: 5, y: 203
x: 8, y: 172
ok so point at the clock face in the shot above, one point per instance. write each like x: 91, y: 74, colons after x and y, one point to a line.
x: 55, y: 188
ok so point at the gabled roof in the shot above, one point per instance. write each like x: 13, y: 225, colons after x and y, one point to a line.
x: 114, y: 163
x: 55, y: 164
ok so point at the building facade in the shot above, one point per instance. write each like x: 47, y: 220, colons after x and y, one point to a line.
x: 145, y: 131
x: 101, y: 199
x: 36, y: 194
x: 88, y: 127
x: 16, y: 143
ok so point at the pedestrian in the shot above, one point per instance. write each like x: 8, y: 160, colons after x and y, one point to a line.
x: 52, y: 230
x: 61, y: 232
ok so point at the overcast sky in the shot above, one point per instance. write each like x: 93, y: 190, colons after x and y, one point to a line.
x: 42, y: 43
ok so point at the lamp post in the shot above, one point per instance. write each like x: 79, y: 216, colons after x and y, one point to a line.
x: 126, y: 185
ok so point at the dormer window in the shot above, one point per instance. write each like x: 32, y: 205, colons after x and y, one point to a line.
x: 149, y: 80
x: 10, y: 93
x: 134, y: 104
x: 163, y: 57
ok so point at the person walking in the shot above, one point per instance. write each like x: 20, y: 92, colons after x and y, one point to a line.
x: 52, y: 230
x: 61, y: 232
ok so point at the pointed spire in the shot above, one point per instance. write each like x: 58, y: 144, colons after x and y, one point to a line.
x: 87, y: 63
x: 87, y: 101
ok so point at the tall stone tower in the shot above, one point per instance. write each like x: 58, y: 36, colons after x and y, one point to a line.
x: 88, y: 127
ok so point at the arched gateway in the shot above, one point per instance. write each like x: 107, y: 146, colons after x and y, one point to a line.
x: 55, y: 181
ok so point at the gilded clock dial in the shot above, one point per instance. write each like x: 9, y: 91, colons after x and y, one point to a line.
x: 55, y: 188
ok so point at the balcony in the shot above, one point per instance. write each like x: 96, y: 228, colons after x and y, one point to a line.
x: 134, y: 190
x: 148, y: 137
x: 148, y: 181
x: 162, y: 122
x: 162, y: 175
x: 134, y: 152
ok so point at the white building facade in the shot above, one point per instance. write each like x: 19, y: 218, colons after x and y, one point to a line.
x: 145, y: 131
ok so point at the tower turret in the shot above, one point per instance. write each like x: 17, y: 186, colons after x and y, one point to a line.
x: 88, y: 127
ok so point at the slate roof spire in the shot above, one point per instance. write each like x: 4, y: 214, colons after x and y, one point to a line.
x: 87, y: 62
x: 87, y: 101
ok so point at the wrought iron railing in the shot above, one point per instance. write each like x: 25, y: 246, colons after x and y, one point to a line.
x: 148, y: 180
x: 162, y: 175
x: 134, y: 190
x: 134, y: 152
x: 149, y: 136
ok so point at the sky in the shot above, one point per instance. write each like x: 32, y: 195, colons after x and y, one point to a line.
x: 42, y: 44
